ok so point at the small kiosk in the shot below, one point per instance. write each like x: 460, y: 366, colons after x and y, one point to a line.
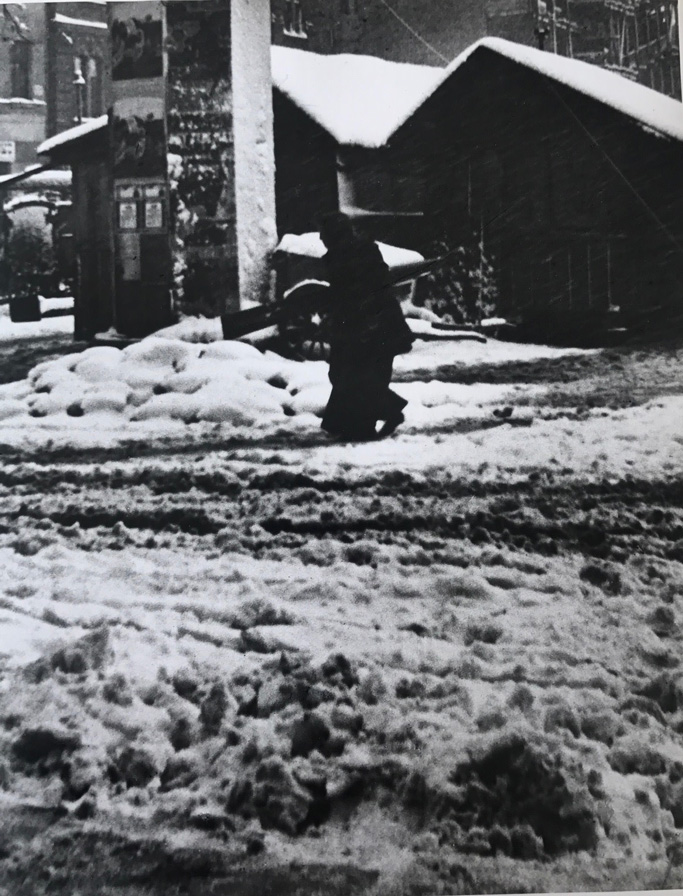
x: 175, y: 185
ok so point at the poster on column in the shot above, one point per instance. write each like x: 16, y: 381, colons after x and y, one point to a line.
x: 137, y: 41
x: 138, y: 86
x: 139, y: 140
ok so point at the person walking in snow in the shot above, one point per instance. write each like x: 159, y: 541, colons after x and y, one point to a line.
x: 367, y: 330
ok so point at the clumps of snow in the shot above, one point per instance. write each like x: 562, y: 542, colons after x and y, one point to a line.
x: 187, y: 374
x: 194, y: 329
x: 50, y: 326
x: 162, y: 378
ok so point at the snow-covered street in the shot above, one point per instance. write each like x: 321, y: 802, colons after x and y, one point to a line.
x: 230, y: 641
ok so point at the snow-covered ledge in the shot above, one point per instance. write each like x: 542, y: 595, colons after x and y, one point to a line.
x: 254, y: 157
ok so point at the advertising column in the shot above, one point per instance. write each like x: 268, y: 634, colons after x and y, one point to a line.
x: 202, y: 155
x: 138, y: 141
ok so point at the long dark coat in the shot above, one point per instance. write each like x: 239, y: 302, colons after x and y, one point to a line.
x: 367, y: 330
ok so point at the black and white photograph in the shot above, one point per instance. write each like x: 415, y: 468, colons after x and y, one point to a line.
x: 136, y: 37
x: 341, y: 447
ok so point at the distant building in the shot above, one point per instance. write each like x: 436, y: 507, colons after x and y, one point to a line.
x: 77, y: 66
x: 22, y: 84
x: 635, y: 38
x: 370, y: 27
x: 52, y: 72
x: 638, y: 39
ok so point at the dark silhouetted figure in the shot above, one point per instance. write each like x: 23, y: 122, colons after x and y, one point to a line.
x: 367, y: 331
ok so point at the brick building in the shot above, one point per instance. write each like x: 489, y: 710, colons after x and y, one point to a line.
x: 635, y: 38
x: 370, y: 27
x: 22, y: 85
x: 76, y: 63
x: 44, y: 49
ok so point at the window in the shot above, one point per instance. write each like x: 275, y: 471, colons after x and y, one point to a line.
x: 294, y: 18
x: 20, y: 65
x: 89, y: 68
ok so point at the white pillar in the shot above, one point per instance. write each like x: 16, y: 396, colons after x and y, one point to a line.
x: 254, y: 157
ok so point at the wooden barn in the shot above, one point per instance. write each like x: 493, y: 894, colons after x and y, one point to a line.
x: 572, y: 176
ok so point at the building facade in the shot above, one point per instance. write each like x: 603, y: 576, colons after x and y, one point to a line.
x: 22, y: 84
x: 53, y: 73
x: 76, y: 63
x: 635, y: 38
x: 425, y: 32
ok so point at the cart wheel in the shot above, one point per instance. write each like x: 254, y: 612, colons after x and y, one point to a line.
x: 305, y: 337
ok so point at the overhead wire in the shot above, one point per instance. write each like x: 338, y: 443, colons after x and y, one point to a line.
x: 651, y: 212
x: 415, y: 33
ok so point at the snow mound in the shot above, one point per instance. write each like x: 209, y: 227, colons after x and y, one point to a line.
x: 174, y: 375
x: 187, y: 375
x: 194, y: 329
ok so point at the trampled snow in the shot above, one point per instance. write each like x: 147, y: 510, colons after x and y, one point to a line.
x: 214, y: 555
x: 186, y: 381
x: 187, y: 375
x: 11, y: 331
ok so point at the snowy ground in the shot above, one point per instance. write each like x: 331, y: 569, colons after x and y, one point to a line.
x: 236, y: 655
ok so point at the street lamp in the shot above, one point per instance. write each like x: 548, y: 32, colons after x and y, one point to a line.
x: 79, y: 84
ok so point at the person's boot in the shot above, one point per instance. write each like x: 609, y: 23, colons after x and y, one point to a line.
x: 390, y: 425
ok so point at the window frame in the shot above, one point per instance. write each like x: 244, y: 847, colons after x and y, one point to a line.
x: 21, y: 70
x: 93, y: 88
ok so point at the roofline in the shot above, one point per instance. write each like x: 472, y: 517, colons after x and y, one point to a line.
x: 61, y: 19
x: 72, y: 135
x: 9, y: 180
x: 511, y: 52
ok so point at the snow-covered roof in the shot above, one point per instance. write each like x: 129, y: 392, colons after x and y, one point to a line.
x: 69, y: 20
x: 647, y: 106
x: 311, y: 246
x: 36, y: 177
x: 357, y: 99
x: 49, y: 180
x: 363, y: 101
x: 20, y: 101
x: 66, y: 137
x: 27, y: 200
x: 20, y: 175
